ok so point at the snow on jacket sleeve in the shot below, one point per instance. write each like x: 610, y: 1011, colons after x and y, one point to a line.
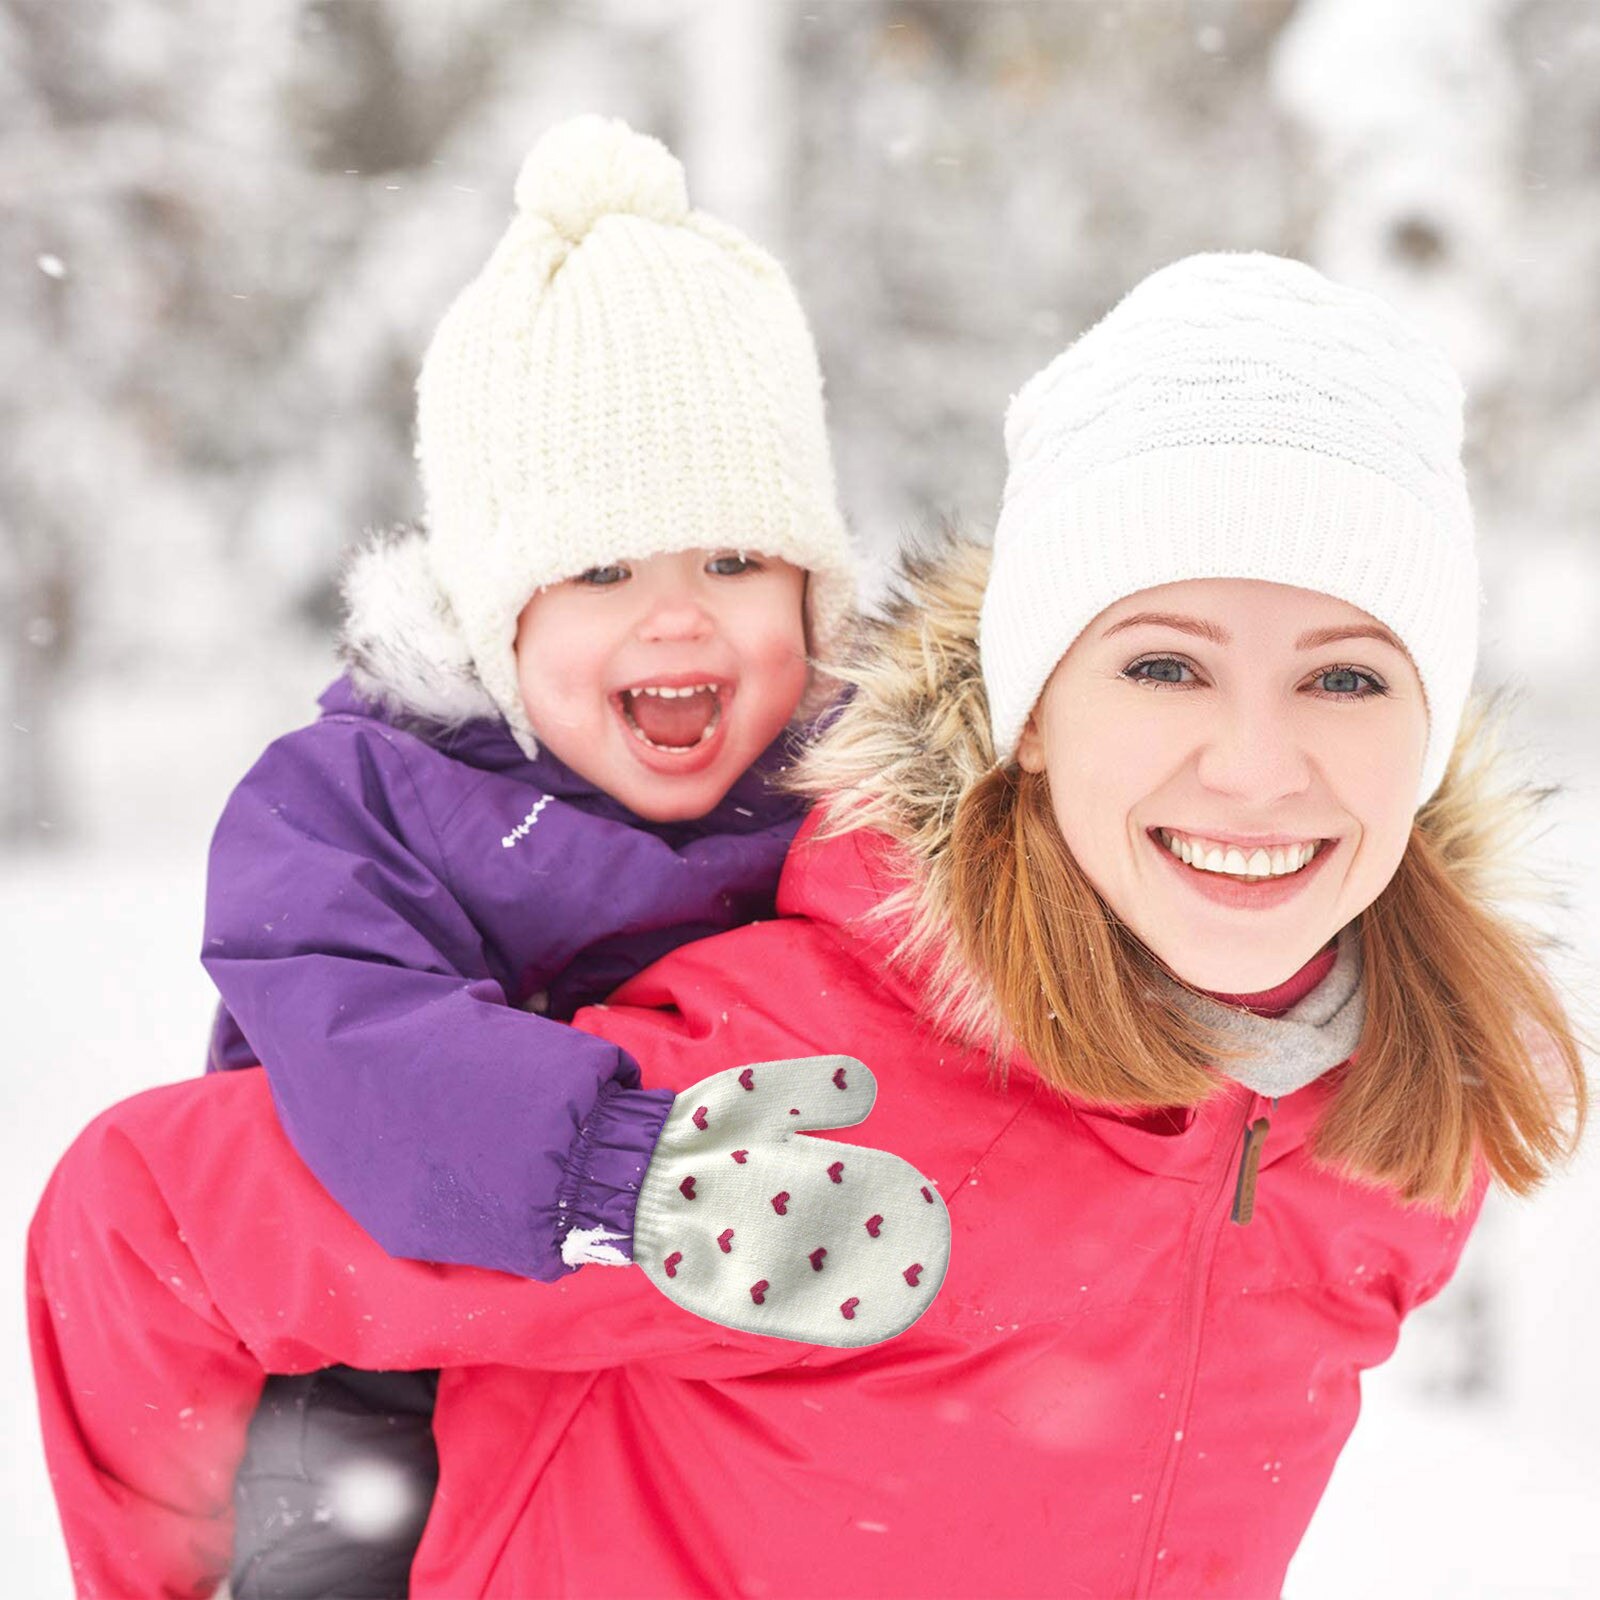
x: 452, y: 1126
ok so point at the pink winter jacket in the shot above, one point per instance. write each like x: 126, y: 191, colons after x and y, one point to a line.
x: 1117, y: 1392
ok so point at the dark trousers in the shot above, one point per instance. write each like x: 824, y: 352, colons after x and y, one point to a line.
x: 335, y: 1486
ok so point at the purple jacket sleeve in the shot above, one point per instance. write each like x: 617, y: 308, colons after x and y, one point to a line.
x: 451, y: 1125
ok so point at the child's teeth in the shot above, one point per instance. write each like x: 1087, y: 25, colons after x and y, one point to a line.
x: 662, y: 692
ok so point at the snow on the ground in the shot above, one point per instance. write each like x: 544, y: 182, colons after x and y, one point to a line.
x: 1432, y: 1498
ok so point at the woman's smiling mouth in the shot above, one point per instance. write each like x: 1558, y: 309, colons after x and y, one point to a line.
x: 1229, y: 875
x: 1282, y: 857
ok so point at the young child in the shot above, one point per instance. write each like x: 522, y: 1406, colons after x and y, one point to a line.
x: 1249, y: 1108
x: 549, y: 763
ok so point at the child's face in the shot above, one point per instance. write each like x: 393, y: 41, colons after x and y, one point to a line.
x: 723, y: 629
x: 1149, y: 727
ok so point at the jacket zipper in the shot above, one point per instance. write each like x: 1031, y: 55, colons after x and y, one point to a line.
x: 1244, y: 1188
x: 1253, y: 1132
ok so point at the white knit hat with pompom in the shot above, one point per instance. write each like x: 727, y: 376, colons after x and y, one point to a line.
x: 626, y: 377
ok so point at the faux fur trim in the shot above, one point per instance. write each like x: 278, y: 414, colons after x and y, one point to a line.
x: 915, y: 737
x: 400, y: 639
x: 910, y: 742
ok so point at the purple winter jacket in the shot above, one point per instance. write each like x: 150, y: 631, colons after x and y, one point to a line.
x: 398, y: 912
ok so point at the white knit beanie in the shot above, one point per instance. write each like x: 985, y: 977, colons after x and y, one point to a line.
x: 624, y: 378
x: 1237, y: 416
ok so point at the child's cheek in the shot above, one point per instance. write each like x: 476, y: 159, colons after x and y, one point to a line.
x: 789, y: 673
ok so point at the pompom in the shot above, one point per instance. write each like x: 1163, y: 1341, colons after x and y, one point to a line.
x: 591, y: 167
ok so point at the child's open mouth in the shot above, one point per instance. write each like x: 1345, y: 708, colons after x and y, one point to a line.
x: 672, y: 719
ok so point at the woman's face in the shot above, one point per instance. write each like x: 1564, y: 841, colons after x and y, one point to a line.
x: 1231, y: 713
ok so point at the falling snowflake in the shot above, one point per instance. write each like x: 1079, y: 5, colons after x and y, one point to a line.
x: 371, y: 1500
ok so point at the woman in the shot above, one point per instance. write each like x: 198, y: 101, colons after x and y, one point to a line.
x: 1208, y: 1129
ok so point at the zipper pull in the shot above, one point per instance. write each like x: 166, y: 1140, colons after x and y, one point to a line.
x: 1244, y: 1193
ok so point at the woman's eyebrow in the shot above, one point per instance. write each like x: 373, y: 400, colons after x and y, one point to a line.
x: 1313, y: 640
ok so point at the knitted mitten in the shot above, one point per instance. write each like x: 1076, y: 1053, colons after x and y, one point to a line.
x: 742, y: 1223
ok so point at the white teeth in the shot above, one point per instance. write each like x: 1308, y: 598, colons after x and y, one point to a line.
x: 662, y: 692
x: 671, y: 694
x: 1230, y: 860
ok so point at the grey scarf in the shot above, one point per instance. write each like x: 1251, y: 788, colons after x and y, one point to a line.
x: 1314, y: 1035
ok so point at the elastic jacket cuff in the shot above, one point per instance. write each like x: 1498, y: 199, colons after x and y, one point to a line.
x: 600, y: 1188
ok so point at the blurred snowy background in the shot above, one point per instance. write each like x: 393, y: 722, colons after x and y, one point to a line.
x: 227, y: 230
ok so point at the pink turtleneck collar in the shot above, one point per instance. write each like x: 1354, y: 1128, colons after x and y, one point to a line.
x: 1274, y: 1002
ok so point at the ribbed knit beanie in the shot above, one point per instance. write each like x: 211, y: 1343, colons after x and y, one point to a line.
x: 1237, y: 416
x: 626, y: 377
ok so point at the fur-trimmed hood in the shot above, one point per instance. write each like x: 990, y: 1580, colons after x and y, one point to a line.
x: 399, y: 640
x: 914, y: 738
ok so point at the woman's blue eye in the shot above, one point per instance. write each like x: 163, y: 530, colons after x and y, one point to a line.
x: 1353, y: 678
x: 1162, y: 661
x: 730, y: 563
x: 602, y: 577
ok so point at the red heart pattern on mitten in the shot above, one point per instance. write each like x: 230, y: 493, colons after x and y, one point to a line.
x: 850, y: 1248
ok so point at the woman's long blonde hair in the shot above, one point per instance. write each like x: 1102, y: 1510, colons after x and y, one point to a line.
x: 1467, y: 1046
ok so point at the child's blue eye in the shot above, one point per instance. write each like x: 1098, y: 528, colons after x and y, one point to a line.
x: 602, y: 577
x: 730, y: 563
